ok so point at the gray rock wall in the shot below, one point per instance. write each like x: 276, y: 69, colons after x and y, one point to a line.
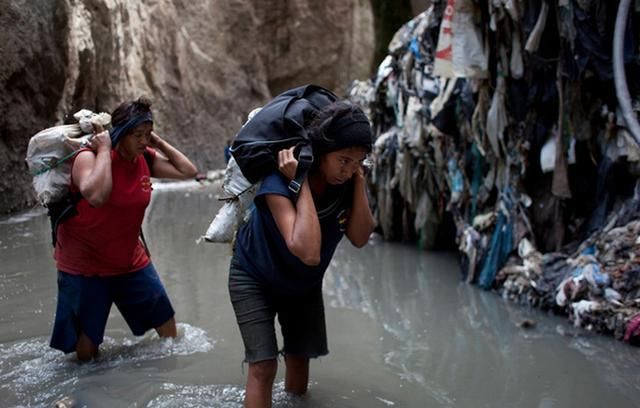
x: 32, y: 74
x: 335, y: 44
x: 204, y: 65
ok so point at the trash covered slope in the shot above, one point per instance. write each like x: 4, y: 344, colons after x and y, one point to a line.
x: 503, y: 116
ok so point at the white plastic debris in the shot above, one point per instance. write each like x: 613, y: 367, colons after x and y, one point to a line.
x: 240, y: 194
x: 50, y: 151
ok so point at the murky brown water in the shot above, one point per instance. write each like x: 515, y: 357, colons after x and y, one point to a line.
x: 403, y: 332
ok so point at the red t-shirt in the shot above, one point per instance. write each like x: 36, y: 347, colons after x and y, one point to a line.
x: 105, y: 241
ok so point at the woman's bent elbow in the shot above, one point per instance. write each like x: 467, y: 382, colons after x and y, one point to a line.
x: 306, y: 255
x: 311, y: 261
x: 192, y: 172
x: 359, y: 244
x: 96, y: 202
x: 360, y: 241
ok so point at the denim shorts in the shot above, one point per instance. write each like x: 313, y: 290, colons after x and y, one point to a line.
x: 84, y: 303
x: 301, y: 319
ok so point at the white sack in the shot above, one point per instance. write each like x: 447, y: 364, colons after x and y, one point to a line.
x: 50, y: 151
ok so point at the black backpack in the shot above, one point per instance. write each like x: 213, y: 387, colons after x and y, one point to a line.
x: 280, y: 124
x: 65, y: 208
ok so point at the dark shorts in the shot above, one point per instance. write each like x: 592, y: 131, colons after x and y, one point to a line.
x: 301, y: 319
x: 84, y: 303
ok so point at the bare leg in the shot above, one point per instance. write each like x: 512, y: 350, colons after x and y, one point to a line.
x: 297, y: 376
x: 168, y: 328
x: 260, y: 384
x: 85, y: 349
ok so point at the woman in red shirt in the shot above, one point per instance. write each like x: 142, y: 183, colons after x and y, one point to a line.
x: 99, y: 255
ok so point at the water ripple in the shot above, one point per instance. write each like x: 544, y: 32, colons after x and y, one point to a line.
x: 23, y: 216
x: 217, y: 395
x: 29, y: 367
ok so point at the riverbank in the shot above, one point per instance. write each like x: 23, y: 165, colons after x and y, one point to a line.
x: 499, y: 126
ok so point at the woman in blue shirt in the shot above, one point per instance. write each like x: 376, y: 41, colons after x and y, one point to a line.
x: 282, y: 252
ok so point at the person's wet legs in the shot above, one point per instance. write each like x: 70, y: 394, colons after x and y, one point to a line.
x: 259, y: 386
x: 168, y: 328
x: 297, y: 376
x: 85, y: 349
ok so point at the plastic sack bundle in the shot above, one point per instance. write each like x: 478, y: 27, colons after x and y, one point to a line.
x: 279, y: 124
x: 233, y: 212
x: 49, y: 152
x: 240, y: 194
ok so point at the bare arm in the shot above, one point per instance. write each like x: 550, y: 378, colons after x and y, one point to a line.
x: 92, y: 171
x: 171, y: 163
x: 361, y: 222
x: 298, y: 224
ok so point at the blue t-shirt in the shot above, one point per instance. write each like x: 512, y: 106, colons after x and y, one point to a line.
x: 262, y: 251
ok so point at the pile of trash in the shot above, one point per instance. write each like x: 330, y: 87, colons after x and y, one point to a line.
x: 500, y: 121
x: 598, y: 286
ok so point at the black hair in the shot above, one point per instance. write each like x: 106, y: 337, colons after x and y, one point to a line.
x: 127, y: 110
x: 326, y: 130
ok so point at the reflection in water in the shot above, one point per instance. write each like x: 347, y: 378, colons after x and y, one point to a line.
x: 465, y: 345
x: 387, y: 285
x: 403, y: 331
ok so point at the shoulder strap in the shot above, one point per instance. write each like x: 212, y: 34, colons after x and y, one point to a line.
x: 144, y: 243
x: 61, y: 211
x: 148, y: 157
x: 305, y: 160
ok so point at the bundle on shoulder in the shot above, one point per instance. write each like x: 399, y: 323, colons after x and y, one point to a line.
x: 280, y: 124
x: 50, y: 150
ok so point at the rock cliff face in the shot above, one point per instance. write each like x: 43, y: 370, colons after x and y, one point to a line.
x: 204, y: 65
x: 310, y: 41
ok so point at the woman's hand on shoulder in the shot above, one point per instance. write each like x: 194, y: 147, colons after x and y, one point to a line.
x: 287, y: 163
x: 172, y: 163
x: 100, y: 142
